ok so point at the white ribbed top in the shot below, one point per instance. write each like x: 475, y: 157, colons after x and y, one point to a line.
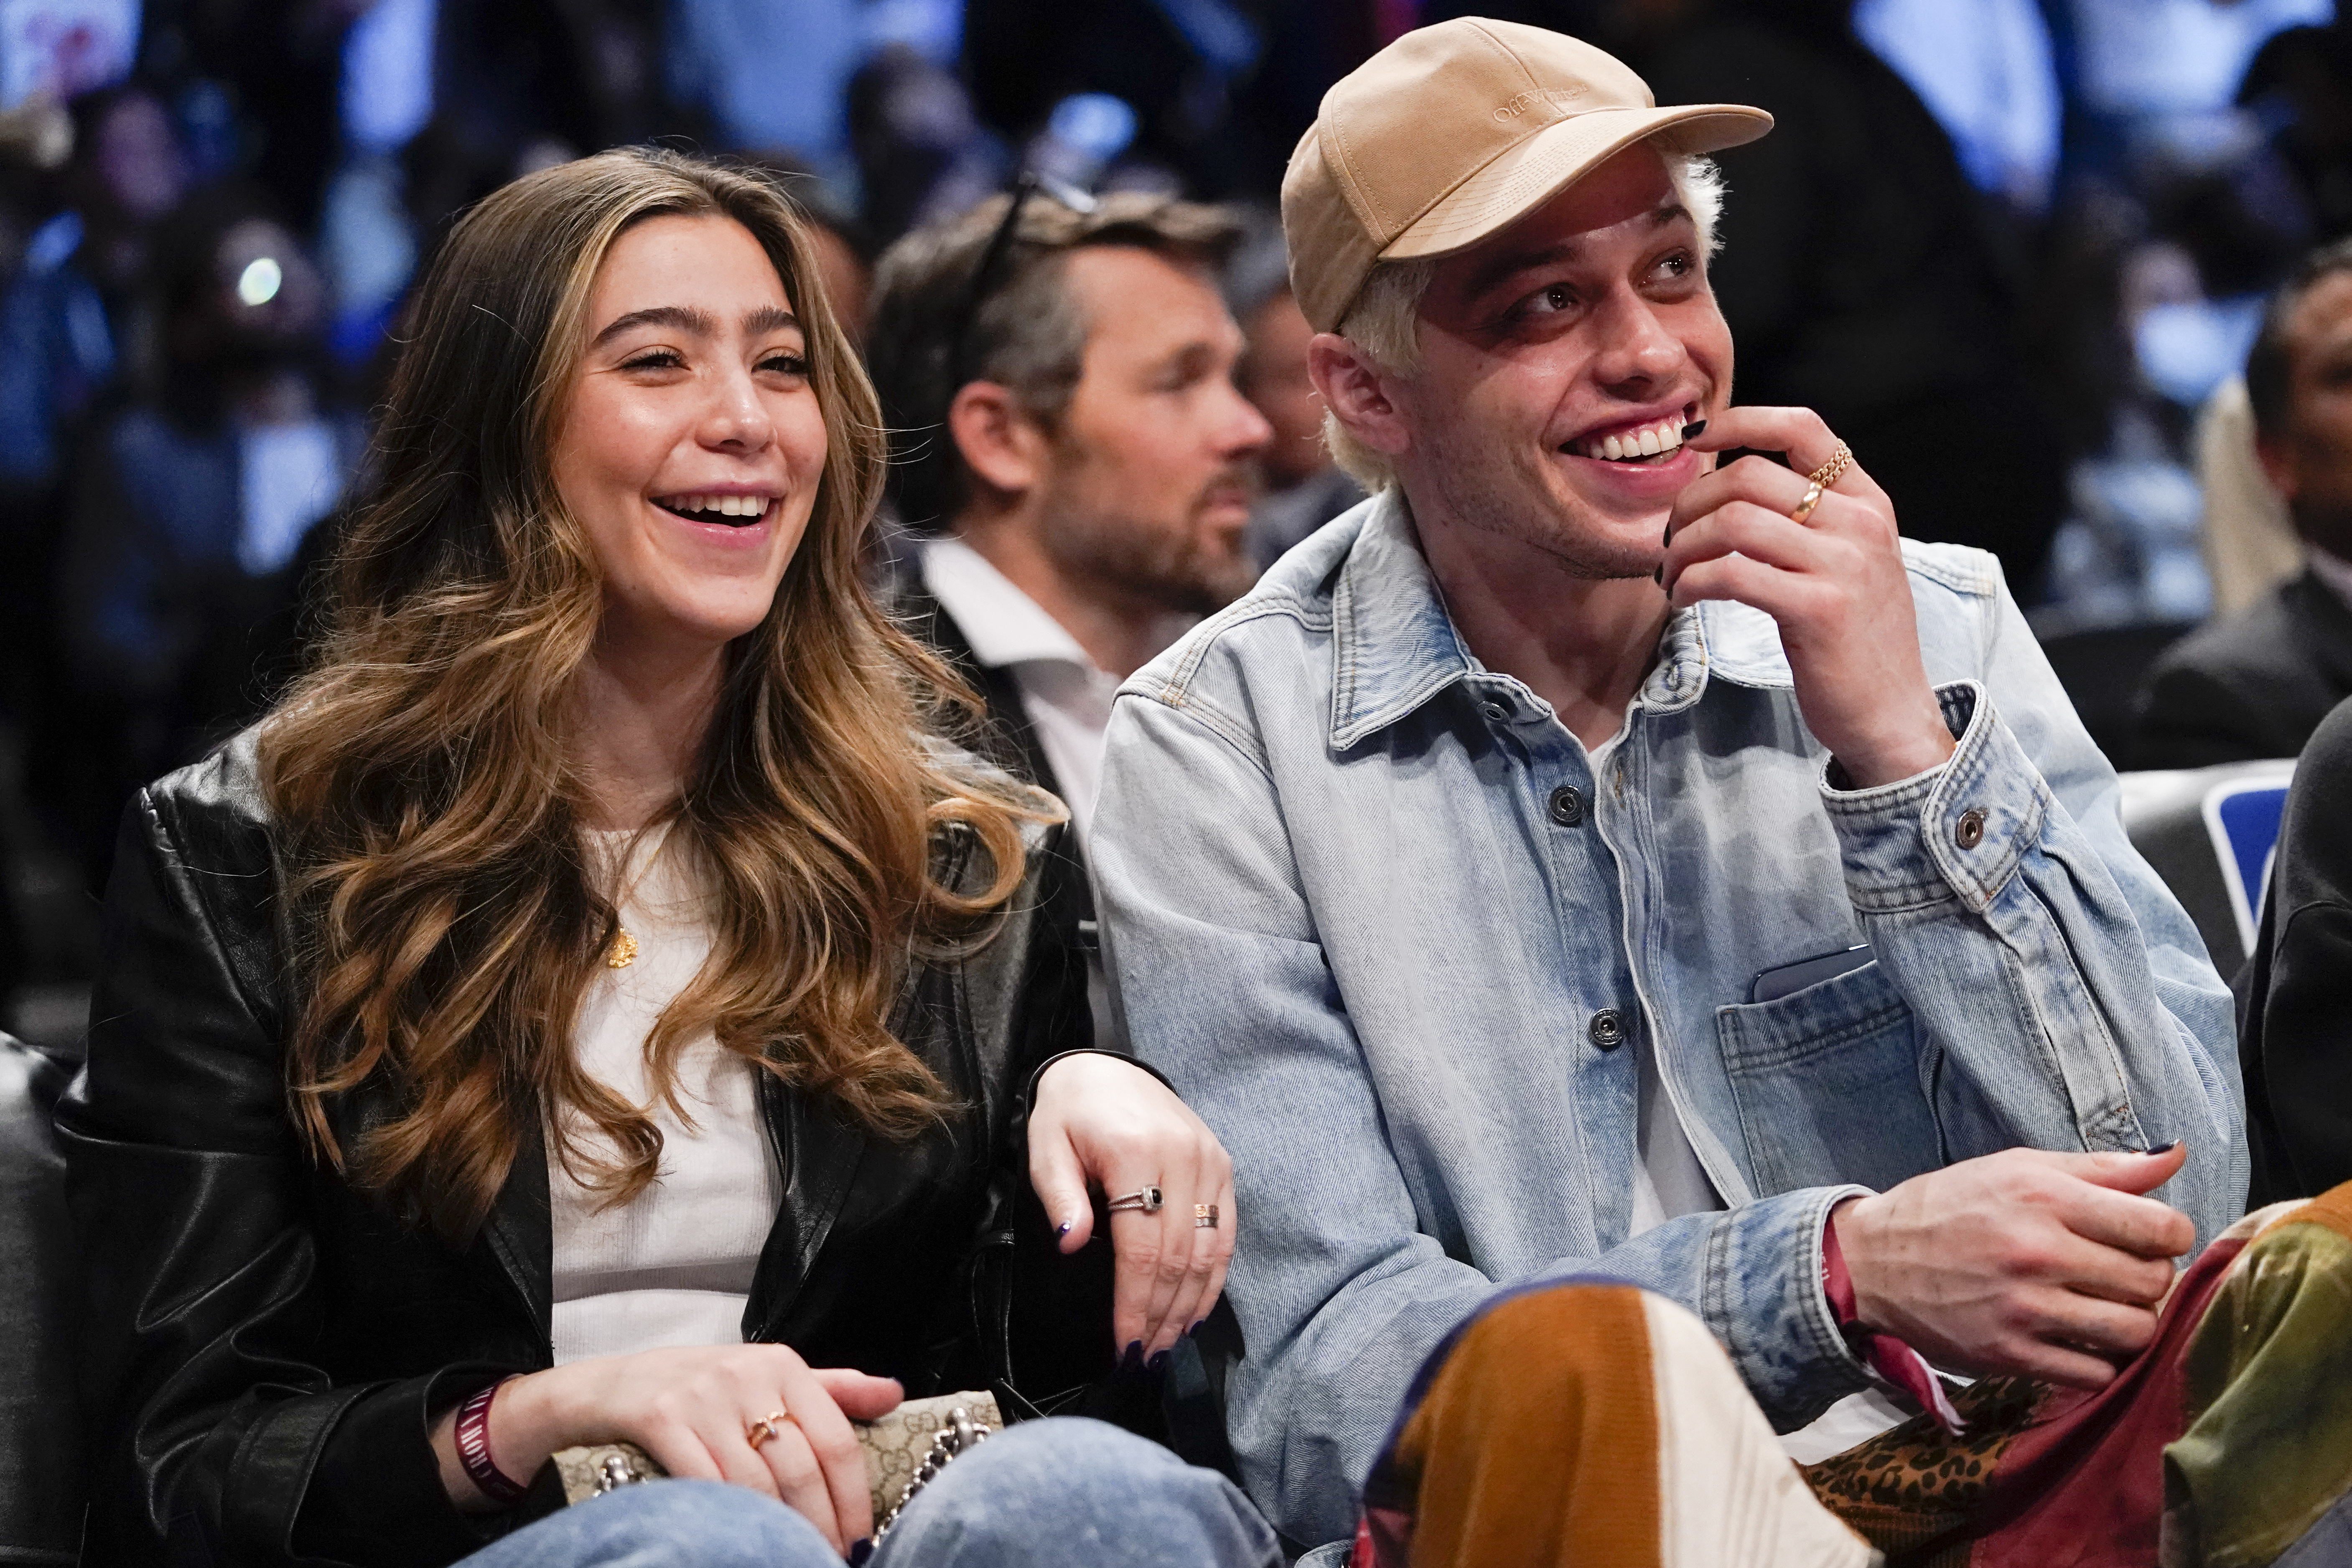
x: 675, y: 1267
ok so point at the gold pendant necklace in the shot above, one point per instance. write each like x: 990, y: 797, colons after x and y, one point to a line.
x: 623, y: 951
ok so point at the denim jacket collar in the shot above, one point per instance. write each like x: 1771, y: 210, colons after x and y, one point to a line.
x: 1394, y: 645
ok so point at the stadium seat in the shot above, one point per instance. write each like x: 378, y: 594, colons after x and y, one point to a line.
x: 40, y: 1437
x: 2209, y: 833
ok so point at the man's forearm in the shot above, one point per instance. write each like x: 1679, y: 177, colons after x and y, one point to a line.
x: 1309, y: 1415
x: 2030, y: 965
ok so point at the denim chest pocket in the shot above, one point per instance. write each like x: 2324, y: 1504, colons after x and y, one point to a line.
x: 1832, y: 1085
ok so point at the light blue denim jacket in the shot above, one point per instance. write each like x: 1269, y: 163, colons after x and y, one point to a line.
x: 1343, y: 915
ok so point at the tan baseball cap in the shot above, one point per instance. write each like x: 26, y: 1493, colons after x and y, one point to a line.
x: 1453, y: 132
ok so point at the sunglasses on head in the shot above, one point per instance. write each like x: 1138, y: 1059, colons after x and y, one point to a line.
x: 985, y: 277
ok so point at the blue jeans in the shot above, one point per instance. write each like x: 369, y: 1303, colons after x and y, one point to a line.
x: 1042, y: 1495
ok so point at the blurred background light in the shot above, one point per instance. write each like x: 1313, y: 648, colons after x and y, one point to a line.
x: 257, y: 284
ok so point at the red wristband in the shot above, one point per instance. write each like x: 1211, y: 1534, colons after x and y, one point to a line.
x: 1889, y: 1357
x: 473, y: 1436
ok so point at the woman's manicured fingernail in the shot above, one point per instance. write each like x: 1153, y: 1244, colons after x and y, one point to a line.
x: 1195, y: 1331
x: 2163, y: 1148
x: 1696, y: 428
x: 1156, y: 1363
x: 860, y: 1550
x: 1659, y: 576
x: 1133, y: 1360
x: 1067, y: 1226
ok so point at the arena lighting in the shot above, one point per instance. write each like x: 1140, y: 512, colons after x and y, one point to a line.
x: 257, y: 284
x: 1095, y: 123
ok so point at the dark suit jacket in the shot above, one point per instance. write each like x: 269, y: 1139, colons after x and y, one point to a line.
x: 1190, y: 1415
x: 2255, y: 685
x: 2295, y: 1021
x: 1007, y: 738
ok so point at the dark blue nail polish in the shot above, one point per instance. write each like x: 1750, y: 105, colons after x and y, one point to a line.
x: 1668, y: 538
x: 1659, y: 576
x: 1066, y: 1225
x: 1696, y: 427
x: 860, y: 1550
x: 1133, y: 1360
x: 1156, y: 1363
x: 1195, y: 1332
x: 2163, y: 1148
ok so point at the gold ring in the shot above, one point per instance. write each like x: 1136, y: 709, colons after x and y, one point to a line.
x: 1204, y: 1216
x: 1828, y: 474
x: 767, y: 1426
x: 1813, y: 494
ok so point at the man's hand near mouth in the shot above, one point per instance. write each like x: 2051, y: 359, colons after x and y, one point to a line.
x: 1835, y: 584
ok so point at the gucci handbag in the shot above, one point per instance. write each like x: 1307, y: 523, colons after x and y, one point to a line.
x: 904, y: 1450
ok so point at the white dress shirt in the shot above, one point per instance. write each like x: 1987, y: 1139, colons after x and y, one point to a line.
x: 2335, y: 572
x: 1066, y: 695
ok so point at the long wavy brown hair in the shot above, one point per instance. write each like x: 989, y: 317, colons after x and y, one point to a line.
x: 430, y: 808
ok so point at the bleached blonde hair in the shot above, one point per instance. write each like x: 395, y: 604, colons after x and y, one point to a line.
x: 1384, y: 323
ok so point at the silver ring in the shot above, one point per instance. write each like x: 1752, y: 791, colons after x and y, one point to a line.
x: 1204, y: 1216
x: 1146, y: 1199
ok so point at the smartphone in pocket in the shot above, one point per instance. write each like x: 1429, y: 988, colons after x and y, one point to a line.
x: 1772, y: 984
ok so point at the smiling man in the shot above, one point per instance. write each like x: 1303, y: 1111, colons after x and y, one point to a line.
x: 1584, y: 858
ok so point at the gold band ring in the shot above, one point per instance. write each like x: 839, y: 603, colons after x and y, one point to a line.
x: 1813, y: 494
x: 766, y: 1427
x: 1204, y: 1216
x: 1829, y: 473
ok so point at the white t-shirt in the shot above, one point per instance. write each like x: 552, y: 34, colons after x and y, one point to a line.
x: 674, y: 1266
x: 1669, y: 1181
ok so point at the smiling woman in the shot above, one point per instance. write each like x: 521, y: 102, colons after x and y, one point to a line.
x: 690, y: 453
x: 598, y: 1005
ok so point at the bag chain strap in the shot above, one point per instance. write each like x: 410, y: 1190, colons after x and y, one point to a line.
x: 617, y: 1470
x: 960, y: 1433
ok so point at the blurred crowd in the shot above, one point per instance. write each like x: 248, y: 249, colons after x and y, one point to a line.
x: 2015, y: 251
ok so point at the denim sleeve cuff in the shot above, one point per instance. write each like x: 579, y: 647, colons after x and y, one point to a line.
x: 1767, y: 1303
x: 1824, y: 1310
x: 1955, y: 831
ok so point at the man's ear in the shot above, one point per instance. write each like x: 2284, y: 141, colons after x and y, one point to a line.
x: 998, y: 441
x: 2276, y: 467
x: 1357, y: 393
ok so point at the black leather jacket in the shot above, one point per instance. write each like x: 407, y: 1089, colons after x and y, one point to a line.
x: 265, y: 1349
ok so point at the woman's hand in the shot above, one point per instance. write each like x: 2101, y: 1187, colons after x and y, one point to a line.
x: 692, y: 1409
x: 1103, y: 1120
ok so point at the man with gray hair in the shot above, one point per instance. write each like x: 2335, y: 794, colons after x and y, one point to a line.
x: 1584, y: 858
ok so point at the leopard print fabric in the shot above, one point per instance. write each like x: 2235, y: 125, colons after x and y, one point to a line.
x: 1907, y: 1489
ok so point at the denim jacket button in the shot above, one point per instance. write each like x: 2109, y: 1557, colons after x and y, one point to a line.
x: 1495, y: 711
x: 1567, y: 805
x: 1606, y: 1030
x: 1969, y: 831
